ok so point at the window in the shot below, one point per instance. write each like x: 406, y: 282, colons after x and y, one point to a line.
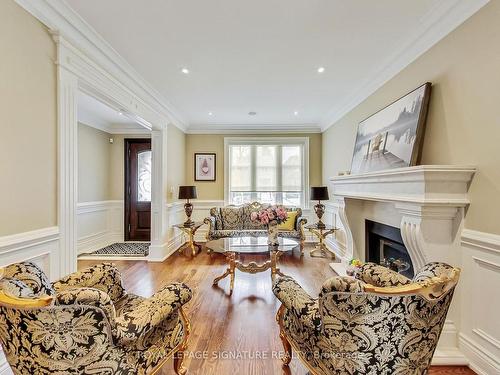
x: 144, y: 176
x: 267, y: 170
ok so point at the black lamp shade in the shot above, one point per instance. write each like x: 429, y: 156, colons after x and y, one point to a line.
x: 187, y: 192
x: 319, y: 193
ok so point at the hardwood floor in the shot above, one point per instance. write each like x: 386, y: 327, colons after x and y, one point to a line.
x: 234, y: 334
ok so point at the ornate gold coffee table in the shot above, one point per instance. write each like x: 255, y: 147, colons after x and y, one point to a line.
x: 233, y: 247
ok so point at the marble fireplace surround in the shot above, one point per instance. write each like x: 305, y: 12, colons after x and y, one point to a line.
x: 428, y: 204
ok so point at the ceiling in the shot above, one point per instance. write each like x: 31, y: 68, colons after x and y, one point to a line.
x: 260, y: 55
x: 98, y: 115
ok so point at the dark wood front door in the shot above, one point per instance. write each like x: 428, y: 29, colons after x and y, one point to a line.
x: 138, y: 189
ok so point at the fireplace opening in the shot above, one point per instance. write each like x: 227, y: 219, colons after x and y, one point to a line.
x: 384, y: 245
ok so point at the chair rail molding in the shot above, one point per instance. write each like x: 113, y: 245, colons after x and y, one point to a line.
x: 427, y: 203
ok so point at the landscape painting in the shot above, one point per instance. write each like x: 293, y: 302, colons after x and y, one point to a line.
x: 392, y: 137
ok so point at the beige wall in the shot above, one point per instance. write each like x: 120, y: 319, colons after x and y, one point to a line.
x: 117, y: 165
x: 94, y: 152
x: 28, y: 164
x: 215, y: 143
x: 176, y: 161
x: 464, y: 122
x: 101, y: 165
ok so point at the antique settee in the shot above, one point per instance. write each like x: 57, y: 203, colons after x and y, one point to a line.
x: 86, y: 323
x: 382, y: 323
x: 235, y: 221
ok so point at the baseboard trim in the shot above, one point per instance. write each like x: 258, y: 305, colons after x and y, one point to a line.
x: 160, y: 253
x: 449, y: 357
x: 480, y: 360
x: 96, y: 241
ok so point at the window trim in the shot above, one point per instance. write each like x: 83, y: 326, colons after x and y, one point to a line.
x: 302, y: 141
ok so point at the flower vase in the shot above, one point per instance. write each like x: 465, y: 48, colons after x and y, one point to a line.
x: 272, y: 234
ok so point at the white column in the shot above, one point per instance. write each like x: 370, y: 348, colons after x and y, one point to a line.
x: 67, y: 93
x: 158, y: 251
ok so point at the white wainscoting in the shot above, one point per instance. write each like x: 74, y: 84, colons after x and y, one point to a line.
x: 175, y: 215
x: 99, y: 224
x: 479, y: 337
x: 39, y: 246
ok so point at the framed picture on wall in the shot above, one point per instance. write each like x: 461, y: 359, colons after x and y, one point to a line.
x: 204, y: 166
x: 393, y: 137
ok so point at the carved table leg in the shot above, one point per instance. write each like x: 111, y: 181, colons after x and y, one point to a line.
x: 321, y: 247
x: 275, y: 255
x: 231, y: 258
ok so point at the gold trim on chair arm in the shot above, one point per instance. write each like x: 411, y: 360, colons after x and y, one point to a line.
x: 210, y: 222
x: 432, y: 289
x: 181, y: 346
x: 24, y: 303
x: 279, y: 319
x: 302, y: 230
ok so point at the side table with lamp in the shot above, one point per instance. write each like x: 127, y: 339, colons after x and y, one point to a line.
x: 189, y: 227
x: 320, y: 229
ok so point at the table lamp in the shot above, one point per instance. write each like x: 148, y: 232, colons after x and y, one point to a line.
x: 188, y: 192
x: 319, y: 193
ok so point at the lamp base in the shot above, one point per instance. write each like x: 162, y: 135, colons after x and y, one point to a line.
x: 189, y: 223
x: 188, y: 209
x: 320, y: 225
x: 319, y: 209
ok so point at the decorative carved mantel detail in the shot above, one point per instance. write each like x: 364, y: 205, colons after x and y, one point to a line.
x: 430, y: 201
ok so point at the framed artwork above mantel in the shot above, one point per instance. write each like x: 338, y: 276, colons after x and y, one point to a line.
x: 205, y: 165
x: 393, y: 137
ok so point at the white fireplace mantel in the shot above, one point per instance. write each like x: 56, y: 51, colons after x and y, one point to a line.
x: 424, y: 185
x: 429, y: 199
x: 428, y: 202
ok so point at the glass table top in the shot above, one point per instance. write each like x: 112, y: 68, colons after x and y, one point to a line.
x: 250, y: 245
x: 325, y: 228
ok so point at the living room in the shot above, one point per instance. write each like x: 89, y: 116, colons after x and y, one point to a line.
x: 250, y: 187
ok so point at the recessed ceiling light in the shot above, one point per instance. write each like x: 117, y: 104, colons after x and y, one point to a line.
x: 210, y: 113
x: 321, y: 69
x: 185, y: 70
x: 252, y: 113
x: 120, y: 113
x: 296, y: 113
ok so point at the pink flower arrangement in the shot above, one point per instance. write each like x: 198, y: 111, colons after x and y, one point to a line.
x: 270, y: 214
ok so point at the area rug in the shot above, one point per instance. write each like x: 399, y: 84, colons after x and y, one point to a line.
x: 127, y: 249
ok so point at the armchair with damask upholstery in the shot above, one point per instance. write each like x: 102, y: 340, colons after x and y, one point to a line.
x: 380, y: 323
x: 86, y: 323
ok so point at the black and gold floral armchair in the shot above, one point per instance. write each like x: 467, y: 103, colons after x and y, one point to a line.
x: 86, y: 323
x: 382, y: 323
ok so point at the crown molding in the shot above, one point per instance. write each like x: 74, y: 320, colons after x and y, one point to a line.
x: 114, y: 129
x: 435, y: 25
x: 253, y: 128
x: 62, y: 20
x: 58, y: 16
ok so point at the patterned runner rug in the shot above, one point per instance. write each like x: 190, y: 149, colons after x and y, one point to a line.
x: 132, y: 249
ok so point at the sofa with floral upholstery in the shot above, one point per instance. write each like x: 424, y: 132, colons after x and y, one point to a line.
x: 235, y: 221
x: 86, y: 323
x: 381, y: 323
